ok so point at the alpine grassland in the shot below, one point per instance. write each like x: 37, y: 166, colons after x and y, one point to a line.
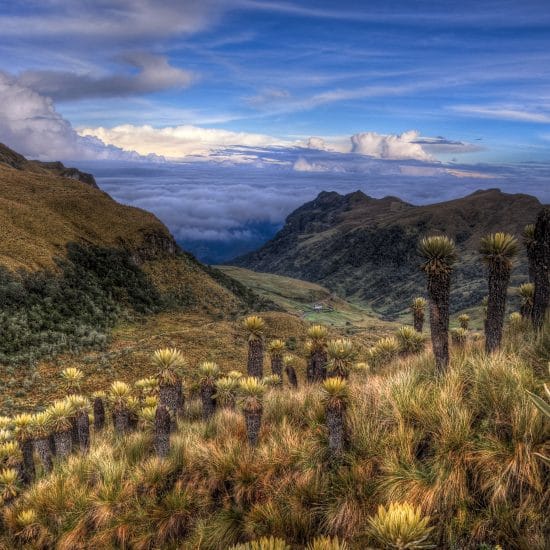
x: 399, y: 454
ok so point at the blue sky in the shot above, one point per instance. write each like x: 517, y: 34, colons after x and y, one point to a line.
x: 448, y: 90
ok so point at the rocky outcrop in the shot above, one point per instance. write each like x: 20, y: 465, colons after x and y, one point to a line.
x: 155, y: 244
x: 19, y: 162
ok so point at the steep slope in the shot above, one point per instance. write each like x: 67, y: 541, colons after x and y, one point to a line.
x: 73, y: 260
x: 365, y: 248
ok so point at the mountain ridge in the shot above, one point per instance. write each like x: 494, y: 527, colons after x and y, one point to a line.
x: 365, y: 248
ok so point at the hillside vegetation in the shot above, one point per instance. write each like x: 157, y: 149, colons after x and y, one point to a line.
x: 364, y: 249
x: 460, y: 450
x: 73, y: 262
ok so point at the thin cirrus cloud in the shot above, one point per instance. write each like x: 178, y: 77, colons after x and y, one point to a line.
x: 505, y: 112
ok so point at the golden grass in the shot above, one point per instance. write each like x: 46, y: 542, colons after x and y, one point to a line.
x: 452, y: 459
x: 41, y: 213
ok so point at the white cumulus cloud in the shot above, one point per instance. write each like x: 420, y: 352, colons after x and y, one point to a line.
x: 179, y: 142
x: 30, y: 125
x: 399, y: 147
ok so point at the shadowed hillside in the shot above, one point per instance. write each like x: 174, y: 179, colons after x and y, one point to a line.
x: 365, y: 248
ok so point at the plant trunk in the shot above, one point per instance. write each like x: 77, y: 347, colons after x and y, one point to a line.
x: 162, y: 431
x: 121, y: 421
x: 439, y: 288
x: 499, y: 277
x: 310, y: 369
x: 74, y: 431
x: 335, y: 425
x: 208, y: 401
x: 171, y: 397
x: 83, y: 431
x: 320, y: 360
x: 253, y: 424
x: 531, y: 262
x: 541, y: 254
x: 418, y: 320
x: 181, y: 401
x: 277, y: 365
x: 44, y: 452
x: 255, y: 365
x: 63, y: 443
x: 27, y: 448
x: 291, y: 375
x: 133, y: 421
x: 99, y: 414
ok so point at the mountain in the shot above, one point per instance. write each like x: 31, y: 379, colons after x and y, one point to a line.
x: 73, y: 261
x: 365, y: 248
x: 19, y: 162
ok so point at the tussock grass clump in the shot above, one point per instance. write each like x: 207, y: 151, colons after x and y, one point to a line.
x: 406, y: 457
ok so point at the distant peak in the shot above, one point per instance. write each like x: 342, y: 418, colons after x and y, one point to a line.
x: 491, y: 191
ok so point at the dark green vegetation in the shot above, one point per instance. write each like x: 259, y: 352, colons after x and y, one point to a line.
x: 365, y: 249
x: 74, y: 308
x: 73, y: 262
x: 45, y: 313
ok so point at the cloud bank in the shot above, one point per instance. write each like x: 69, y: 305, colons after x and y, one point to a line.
x: 208, y: 206
x: 183, y: 142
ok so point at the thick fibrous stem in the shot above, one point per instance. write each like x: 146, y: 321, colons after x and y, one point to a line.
x: 99, y: 414
x: 162, y: 431
x: 74, y: 432
x: 310, y: 369
x: 541, y: 254
x: 291, y: 375
x: 336, y: 433
x: 255, y: 366
x: 27, y: 448
x: 499, y: 277
x: 418, y: 320
x: 120, y: 421
x: 63, y: 443
x: 319, y: 359
x: 208, y: 400
x: 253, y: 419
x: 439, y: 289
x: 171, y: 397
x: 43, y: 449
x: 83, y: 430
x: 277, y: 365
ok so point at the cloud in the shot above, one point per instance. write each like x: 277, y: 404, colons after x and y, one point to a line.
x: 30, y: 124
x: 303, y: 165
x: 402, y: 146
x: 154, y: 74
x: 111, y: 21
x: 179, y: 142
x: 188, y: 142
x: 505, y: 112
x: 220, y: 204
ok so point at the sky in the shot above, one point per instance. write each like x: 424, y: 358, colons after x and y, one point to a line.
x: 210, y: 103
